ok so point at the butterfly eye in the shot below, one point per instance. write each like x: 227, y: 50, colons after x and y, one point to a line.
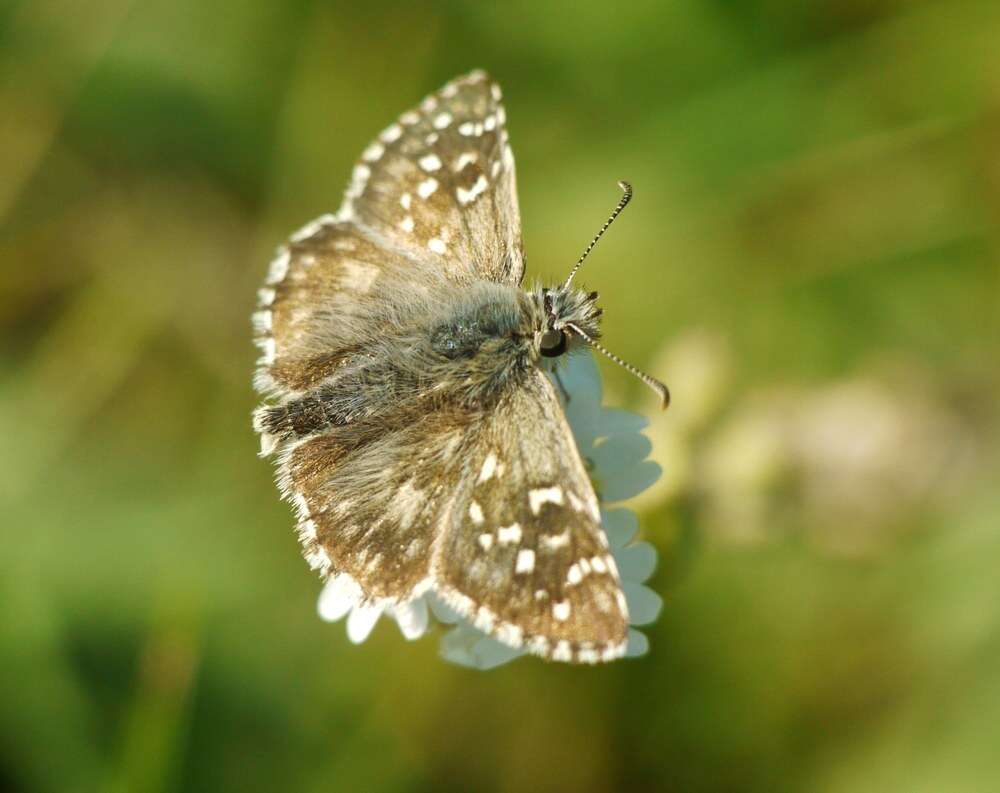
x: 553, y: 343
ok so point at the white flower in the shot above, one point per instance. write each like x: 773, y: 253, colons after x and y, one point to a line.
x: 611, y: 440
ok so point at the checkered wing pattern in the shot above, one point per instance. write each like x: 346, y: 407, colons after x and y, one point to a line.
x: 439, y: 184
x: 433, y: 196
x: 524, y: 557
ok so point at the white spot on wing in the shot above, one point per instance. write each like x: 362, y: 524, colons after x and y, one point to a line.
x: 437, y: 245
x: 392, y: 133
x: 270, y: 348
x: 486, y: 541
x: 279, y: 267
x: 262, y: 321
x: 612, y: 566
x: 484, y: 619
x: 476, y: 513
x: 430, y: 162
x: 360, y: 276
x: 562, y: 651
x: 406, y: 224
x: 525, y: 561
x: 544, y: 495
x: 510, y: 634
x: 442, y: 120
x: 466, y: 158
x: 427, y: 187
x: 319, y: 560
x: 468, y: 196
x: 489, y: 468
x: 575, y: 501
x: 560, y: 610
x: 554, y: 541
x: 374, y: 152
x: 509, y: 534
x: 359, y: 180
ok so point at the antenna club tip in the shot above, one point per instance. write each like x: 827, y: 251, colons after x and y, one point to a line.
x: 625, y: 185
x: 664, y: 397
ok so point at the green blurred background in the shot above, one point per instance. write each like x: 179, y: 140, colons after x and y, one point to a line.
x: 810, y: 262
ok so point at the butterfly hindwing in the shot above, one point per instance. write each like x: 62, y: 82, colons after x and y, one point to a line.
x: 372, y: 496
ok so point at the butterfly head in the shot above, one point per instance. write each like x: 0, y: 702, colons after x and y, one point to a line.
x: 561, y: 310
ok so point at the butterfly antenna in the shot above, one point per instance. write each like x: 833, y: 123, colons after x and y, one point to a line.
x: 661, y: 390
x: 622, y: 203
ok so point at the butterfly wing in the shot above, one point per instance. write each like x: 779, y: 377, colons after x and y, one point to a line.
x: 494, y: 513
x: 439, y: 184
x: 372, y: 496
x: 524, y: 556
x: 427, y: 200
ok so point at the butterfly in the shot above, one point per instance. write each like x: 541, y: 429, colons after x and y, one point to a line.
x: 414, y: 427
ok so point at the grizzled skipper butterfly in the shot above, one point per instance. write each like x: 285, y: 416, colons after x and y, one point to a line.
x: 415, y: 429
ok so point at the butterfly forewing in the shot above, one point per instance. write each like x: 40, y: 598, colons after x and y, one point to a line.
x: 439, y: 184
x: 433, y: 196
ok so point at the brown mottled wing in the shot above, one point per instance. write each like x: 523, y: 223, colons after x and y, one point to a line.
x: 427, y: 200
x: 524, y: 555
x: 439, y: 184
x: 313, y: 309
x: 372, y: 496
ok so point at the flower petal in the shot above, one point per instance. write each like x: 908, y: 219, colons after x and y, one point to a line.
x: 615, y: 421
x: 466, y: 646
x: 361, y: 621
x: 628, y: 482
x: 643, y: 603
x: 636, y: 562
x: 412, y: 618
x: 638, y: 644
x: 620, y: 525
x: 581, y: 377
x: 339, y: 595
x: 620, y: 451
x: 442, y: 611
